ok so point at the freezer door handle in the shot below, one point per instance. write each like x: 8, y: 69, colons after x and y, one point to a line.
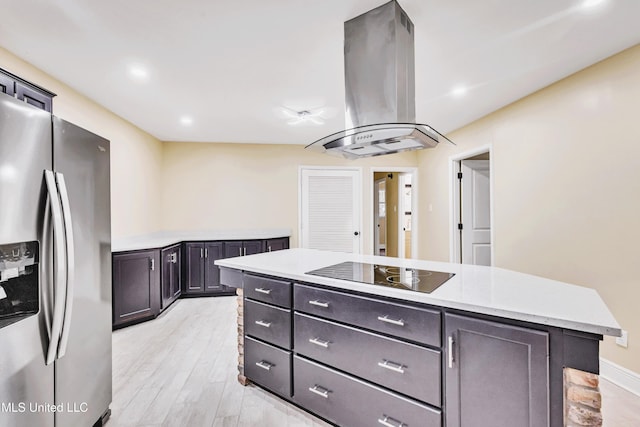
x: 71, y: 268
x: 59, y: 276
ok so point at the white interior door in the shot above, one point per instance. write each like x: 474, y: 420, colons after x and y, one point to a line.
x: 378, y: 229
x: 330, y: 217
x: 476, y: 212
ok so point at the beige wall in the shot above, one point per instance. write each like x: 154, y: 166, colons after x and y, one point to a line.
x: 136, y: 157
x: 240, y: 186
x: 566, y: 164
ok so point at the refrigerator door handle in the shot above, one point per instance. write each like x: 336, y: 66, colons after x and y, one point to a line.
x: 45, y: 266
x: 59, y: 276
x: 68, y: 232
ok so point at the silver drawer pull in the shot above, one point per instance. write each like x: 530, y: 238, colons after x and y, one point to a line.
x: 320, y: 391
x: 263, y: 323
x: 318, y: 341
x: 319, y: 303
x: 264, y: 365
x: 390, y: 422
x: 263, y: 291
x: 387, y: 319
x: 395, y: 367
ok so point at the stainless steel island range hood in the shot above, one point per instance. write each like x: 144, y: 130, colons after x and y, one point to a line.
x: 380, y: 88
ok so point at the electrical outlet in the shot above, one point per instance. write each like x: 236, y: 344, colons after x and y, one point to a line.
x: 622, y: 341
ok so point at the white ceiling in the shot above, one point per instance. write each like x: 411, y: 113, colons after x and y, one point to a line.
x: 232, y: 65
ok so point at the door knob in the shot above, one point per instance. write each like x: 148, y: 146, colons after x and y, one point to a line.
x: 356, y: 233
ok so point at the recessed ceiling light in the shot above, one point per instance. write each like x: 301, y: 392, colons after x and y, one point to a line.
x: 138, y: 72
x: 459, y: 91
x: 186, y: 120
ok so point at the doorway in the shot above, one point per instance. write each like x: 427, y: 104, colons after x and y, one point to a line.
x: 394, y: 211
x: 472, y: 208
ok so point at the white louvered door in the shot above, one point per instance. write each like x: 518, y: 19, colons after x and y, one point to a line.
x: 330, y: 209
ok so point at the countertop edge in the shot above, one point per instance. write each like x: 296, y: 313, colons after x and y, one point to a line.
x: 161, y: 240
x: 609, y: 330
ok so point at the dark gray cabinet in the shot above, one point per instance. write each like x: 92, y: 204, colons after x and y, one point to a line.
x: 348, y: 401
x: 171, y: 275
x: 267, y: 329
x: 212, y: 252
x: 400, y: 366
x: 136, y: 286
x: 33, y: 97
x: 268, y: 366
x: 148, y: 281
x: 272, y: 245
x: 434, y: 365
x: 202, y: 276
x: 243, y: 247
x: 25, y: 91
x: 194, y: 268
x: 496, y: 375
x: 7, y: 85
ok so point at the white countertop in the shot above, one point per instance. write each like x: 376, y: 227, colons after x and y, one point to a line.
x: 487, y: 290
x: 168, y: 238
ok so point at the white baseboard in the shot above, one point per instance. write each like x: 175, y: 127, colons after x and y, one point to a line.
x: 620, y: 376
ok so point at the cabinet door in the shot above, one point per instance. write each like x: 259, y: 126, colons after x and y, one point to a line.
x: 233, y: 249
x: 170, y: 275
x: 136, y: 286
x: 165, y: 280
x: 33, y: 97
x: 194, y: 269
x: 497, y: 375
x: 212, y: 252
x: 253, y: 247
x: 277, y: 244
x: 176, y: 277
x: 7, y: 85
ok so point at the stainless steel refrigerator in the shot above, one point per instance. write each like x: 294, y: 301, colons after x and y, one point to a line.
x: 55, y: 271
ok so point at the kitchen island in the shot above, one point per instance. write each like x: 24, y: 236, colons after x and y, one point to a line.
x: 488, y: 347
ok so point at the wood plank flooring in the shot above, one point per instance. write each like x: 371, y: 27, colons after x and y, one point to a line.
x: 180, y: 370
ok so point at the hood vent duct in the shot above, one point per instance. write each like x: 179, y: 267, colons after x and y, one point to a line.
x: 379, y: 88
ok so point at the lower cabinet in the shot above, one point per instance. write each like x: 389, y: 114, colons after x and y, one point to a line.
x: 497, y: 375
x: 235, y: 248
x: 391, y: 363
x: 348, y: 401
x: 272, y: 245
x: 136, y: 286
x: 148, y: 281
x: 202, y: 276
x: 351, y: 368
x: 268, y: 366
x: 171, y: 275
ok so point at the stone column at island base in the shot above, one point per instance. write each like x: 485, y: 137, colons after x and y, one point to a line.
x: 582, y: 399
x: 241, y: 378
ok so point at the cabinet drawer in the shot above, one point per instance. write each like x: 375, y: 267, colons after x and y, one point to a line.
x: 347, y: 401
x: 269, y: 323
x: 271, y: 291
x: 400, y: 366
x: 416, y: 324
x: 268, y: 366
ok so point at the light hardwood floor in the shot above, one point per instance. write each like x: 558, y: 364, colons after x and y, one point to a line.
x: 180, y: 370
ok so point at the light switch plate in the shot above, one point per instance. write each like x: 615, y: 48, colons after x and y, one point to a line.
x: 622, y: 341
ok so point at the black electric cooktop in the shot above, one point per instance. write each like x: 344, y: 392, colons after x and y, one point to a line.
x: 410, y: 279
